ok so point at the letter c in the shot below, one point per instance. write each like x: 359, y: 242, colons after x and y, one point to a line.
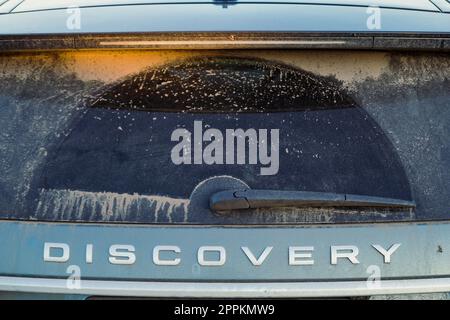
x: 158, y: 261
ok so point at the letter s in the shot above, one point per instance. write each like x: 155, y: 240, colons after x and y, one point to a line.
x: 122, y: 254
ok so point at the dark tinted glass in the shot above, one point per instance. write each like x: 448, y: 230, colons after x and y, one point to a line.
x: 155, y: 144
x: 116, y: 164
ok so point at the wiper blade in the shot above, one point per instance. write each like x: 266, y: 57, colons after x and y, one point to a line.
x: 254, y: 199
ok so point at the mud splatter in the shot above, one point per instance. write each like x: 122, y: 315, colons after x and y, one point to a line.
x: 110, y: 206
x: 221, y: 84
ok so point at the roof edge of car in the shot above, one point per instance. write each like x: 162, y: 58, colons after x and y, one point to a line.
x: 23, y: 6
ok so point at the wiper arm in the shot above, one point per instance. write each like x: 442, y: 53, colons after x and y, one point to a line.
x: 254, y: 199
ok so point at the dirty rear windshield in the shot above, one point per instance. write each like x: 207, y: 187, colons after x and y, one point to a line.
x: 150, y: 138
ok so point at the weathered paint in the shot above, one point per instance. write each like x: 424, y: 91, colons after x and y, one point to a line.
x: 417, y: 257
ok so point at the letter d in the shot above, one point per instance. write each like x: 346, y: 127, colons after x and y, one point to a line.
x: 51, y: 247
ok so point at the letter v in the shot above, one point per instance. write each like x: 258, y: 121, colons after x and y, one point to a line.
x: 257, y: 261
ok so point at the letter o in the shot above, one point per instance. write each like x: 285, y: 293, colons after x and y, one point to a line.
x: 211, y: 263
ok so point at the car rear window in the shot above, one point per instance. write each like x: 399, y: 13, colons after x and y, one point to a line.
x: 153, y: 146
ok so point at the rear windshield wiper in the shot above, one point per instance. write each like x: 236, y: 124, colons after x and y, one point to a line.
x: 254, y: 199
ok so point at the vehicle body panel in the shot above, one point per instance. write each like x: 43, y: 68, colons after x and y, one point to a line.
x: 403, y: 93
x: 422, y: 255
x: 206, y: 17
x: 423, y: 252
x: 35, y: 5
